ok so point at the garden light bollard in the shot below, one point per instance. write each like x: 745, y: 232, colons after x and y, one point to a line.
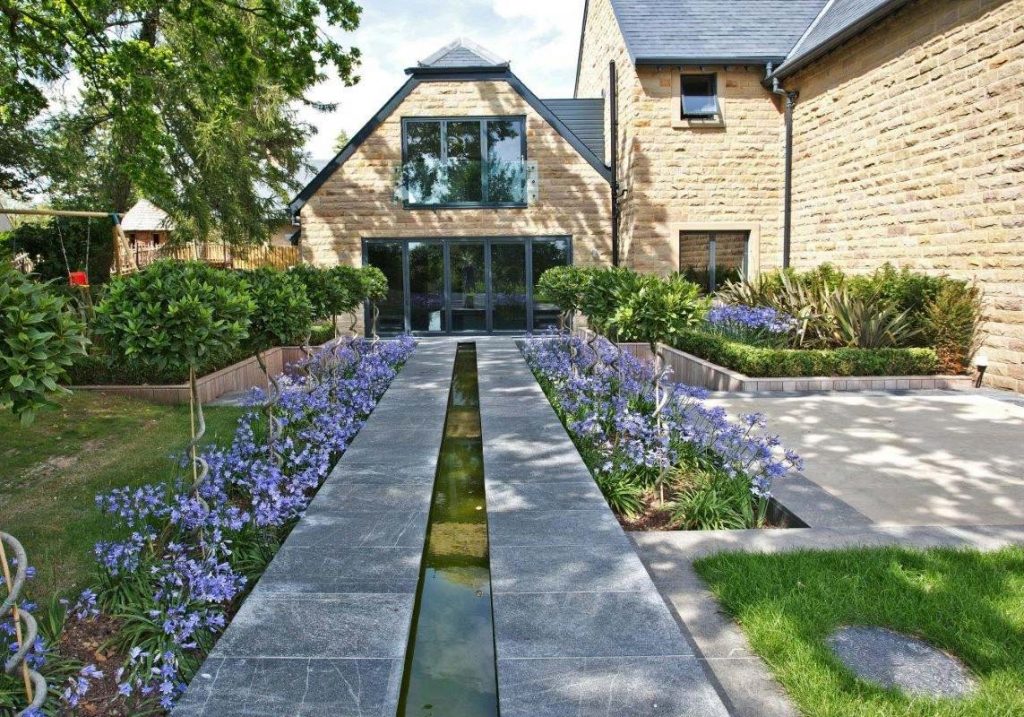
x: 35, y: 684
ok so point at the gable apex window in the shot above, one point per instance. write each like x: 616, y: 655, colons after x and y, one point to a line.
x: 464, y: 161
x: 699, y: 96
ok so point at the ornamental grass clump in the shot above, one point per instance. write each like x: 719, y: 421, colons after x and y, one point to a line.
x: 647, y: 462
x: 187, y: 559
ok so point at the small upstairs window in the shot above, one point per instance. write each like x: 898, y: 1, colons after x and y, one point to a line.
x: 699, y: 94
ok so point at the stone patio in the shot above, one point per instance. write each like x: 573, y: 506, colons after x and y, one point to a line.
x: 919, y: 458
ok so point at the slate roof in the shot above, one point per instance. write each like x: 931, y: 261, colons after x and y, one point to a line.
x: 463, y: 52
x: 146, y: 217
x: 584, y: 118
x: 695, y: 31
x: 839, y: 21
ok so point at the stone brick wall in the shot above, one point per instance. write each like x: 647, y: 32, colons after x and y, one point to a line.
x: 909, y: 148
x: 675, y: 174
x: 358, y: 202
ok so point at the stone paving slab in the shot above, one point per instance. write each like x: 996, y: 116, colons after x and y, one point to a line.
x: 390, y: 529
x: 588, y: 568
x: 259, y: 687
x: 539, y: 528
x: 274, y: 624
x: 610, y: 686
x: 580, y: 628
x: 593, y: 624
x: 340, y: 569
x: 506, y: 496
x: 325, y: 630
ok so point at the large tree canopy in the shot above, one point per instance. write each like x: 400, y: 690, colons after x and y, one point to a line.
x: 189, y: 103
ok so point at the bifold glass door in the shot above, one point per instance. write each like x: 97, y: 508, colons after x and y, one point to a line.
x: 478, y: 285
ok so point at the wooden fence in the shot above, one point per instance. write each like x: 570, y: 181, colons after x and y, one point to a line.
x: 232, y: 257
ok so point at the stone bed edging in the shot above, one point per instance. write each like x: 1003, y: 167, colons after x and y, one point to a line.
x: 695, y: 371
x: 241, y: 376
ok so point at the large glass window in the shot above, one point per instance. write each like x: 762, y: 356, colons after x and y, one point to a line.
x: 464, y: 162
x: 426, y: 287
x: 713, y: 258
x: 547, y: 253
x: 477, y: 285
x: 387, y: 256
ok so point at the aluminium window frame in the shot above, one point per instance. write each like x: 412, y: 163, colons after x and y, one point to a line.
x: 443, y: 120
x: 445, y: 241
x: 712, y: 79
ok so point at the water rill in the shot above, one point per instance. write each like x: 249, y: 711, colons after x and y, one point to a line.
x: 450, y: 665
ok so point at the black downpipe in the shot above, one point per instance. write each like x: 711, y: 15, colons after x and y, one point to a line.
x: 787, y: 211
x: 613, y: 99
x: 787, y: 192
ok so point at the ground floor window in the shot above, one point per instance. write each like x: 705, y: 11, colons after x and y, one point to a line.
x: 712, y: 258
x: 466, y: 285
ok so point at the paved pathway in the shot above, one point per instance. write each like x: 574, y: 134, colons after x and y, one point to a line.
x: 325, y: 631
x: 580, y: 628
x: 921, y: 458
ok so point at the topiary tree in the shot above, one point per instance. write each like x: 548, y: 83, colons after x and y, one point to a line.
x: 346, y: 294
x: 564, y: 287
x: 283, y: 314
x: 39, y: 337
x: 176, y: 315
x: 374, y: 289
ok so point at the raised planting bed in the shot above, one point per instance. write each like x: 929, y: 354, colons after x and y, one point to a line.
x: 695, y: 363
x: 240, y: 376
x: 180, y: 555
x: 662, y: 457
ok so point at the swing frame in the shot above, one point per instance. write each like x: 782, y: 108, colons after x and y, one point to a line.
x: 124, y: 259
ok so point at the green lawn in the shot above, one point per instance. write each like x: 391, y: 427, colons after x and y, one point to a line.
x: 968, y: 603
x: 92, y: 442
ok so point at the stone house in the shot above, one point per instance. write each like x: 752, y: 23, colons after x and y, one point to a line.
x: 463, y: 189
x: 717, y: 139
x: 758, y: 133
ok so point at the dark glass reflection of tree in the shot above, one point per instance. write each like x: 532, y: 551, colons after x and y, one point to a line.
x: 450, y: 666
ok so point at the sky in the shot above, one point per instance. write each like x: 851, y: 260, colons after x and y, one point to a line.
x: 540, y: 37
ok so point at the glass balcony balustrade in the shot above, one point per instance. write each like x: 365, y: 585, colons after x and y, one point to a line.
x: 459, y: 182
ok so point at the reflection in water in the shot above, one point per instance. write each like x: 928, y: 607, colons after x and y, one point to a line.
x: 450, y: 668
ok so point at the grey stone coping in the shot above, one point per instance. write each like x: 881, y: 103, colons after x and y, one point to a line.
x: 259, y: 687
x: 613, y: 686
x: 815, y: 506
x: 326, y: 628
x: 580, y: 628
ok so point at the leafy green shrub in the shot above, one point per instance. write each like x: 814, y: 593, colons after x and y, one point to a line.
x: 174, y: 315
x: 283, y: 313
x: 764, y: 362
x: 563, y: 286
x: 702, y: 277
x: 319, y: 290
x: 887, y: 308
x: 40, y: 336
x: 374, y: 289
x: 953, y: 323
x: 655, y: 310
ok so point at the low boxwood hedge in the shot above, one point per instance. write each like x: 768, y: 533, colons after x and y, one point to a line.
x: 758, y: 361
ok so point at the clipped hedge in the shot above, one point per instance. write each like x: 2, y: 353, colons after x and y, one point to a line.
x: 763, y: 362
